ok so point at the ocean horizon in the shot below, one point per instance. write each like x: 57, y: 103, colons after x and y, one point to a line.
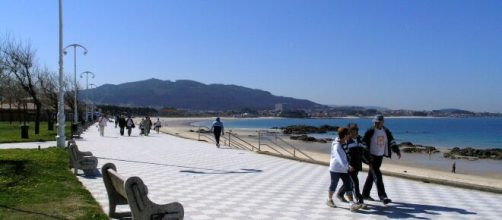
x: 480, y: 133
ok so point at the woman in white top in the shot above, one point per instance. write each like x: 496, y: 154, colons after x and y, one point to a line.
x: 103, y: 120
x: 339, y: 167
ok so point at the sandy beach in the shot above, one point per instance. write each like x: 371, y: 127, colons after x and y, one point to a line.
x: 424, y: 167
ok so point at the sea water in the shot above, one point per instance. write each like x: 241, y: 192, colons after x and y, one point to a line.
x: 479, y: 133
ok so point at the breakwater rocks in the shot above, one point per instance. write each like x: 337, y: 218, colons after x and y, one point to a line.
x: 307, y: 129
x: 473, y: 154
x: 408, y: 147
x: 310, y: 139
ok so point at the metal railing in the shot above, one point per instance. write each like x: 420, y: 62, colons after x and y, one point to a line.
x: 268, y: 142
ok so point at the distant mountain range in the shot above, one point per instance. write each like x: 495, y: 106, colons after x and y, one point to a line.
x: 187, y: 94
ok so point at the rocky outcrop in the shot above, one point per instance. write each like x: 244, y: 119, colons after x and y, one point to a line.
x: 408, y: 147
x: 310, y: 139
x: 307, y: 129
x: 471, y: 153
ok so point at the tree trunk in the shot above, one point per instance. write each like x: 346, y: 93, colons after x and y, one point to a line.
x: 10, y: 114
x: 19, y: 114
x: 50, y: 125
x: 37, y: 116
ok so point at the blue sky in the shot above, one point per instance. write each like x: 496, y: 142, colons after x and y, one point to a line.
x: 419, y: 55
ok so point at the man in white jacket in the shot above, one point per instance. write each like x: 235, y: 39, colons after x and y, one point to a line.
x: 339, y: 167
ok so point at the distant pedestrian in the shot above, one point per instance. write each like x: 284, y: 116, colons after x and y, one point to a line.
x: 103, y: 120
x: 142, y: 126
x: 339, y: 168
x: 379, y: 142
x: 130, y: 125
x: 157, y: 125
x: 453, y: 168
x: 147, y: 125
x: 218, y: 129
x: 122, y: 124
x: 116, y: 120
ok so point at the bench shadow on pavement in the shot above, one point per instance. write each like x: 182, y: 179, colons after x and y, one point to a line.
x: 409, y: 210
x: 192, y: 170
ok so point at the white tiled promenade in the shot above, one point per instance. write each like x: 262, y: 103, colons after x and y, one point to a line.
x: 224, y: 183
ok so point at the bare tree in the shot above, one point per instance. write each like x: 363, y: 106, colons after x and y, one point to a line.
x: 10, y: 91
x: 7, y: 93
x: 69, y: 87
x: 18, y: 60
x: 48, y: 84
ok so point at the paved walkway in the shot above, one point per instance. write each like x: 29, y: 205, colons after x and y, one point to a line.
x: 25, y: 145
x: 225, y: 183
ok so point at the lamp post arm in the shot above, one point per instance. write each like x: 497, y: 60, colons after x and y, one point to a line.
x: 75, y: 116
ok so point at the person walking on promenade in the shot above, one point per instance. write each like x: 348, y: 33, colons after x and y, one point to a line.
x: 338, y: 168
x: 116, y: 120
x: 379, y: 142
x: 147, y: 125
x: 103, y: 120
x: 130, y: 125
x: 356, y: 155
x: 122, y: 124
x: 217, y: 129
x: 157, y: 125
x: 142, y: 126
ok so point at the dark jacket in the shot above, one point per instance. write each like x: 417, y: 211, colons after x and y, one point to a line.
x: 391, y: 143
x: 356, y: 153
x: 122, y: 122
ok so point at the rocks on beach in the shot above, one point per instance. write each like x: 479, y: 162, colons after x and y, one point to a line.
x: 306, y: 129
x: 468, y: 153
x: 310, y: 139
x: 301, y: 132
x: 473, y: 154
x: 408, y: 147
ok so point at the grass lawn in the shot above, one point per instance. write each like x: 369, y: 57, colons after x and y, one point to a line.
x: 10, y: 133
x: 37, y: 184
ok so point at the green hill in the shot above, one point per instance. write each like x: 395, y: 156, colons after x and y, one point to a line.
x: 187, y: 94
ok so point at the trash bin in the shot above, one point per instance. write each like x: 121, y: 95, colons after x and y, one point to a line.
x: 24, y: 131
x: 50, y: 125
x: 74, y: 129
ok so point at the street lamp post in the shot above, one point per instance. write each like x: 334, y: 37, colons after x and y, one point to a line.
x: 60, y: 138
x: 87, y: 73
x: 92, y: 103
x: 75, y: 116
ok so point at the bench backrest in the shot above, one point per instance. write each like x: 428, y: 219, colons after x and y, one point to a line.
x: 117, y: 182
x: 137, y: 194
x: 72, y: 141
x: 74, y: 156
x: 114, y: 184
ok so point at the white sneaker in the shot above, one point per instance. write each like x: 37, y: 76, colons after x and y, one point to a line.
x: 354, y: 207
x: 363, y: 206
x: 330, y: 203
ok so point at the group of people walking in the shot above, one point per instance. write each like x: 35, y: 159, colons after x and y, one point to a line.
x: 128, y: 123
x: 348, y: 152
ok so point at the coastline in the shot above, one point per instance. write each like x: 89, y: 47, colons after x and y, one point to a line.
x: 483, y: 172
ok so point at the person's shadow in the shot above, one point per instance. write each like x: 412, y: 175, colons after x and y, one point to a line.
x: 410, y: 210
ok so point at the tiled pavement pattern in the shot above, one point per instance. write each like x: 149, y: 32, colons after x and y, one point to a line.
x: 225, y: 183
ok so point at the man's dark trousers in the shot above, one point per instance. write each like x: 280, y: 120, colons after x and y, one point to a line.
x: 375, y: 175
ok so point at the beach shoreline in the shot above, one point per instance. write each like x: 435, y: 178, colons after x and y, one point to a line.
x: 420, y: 166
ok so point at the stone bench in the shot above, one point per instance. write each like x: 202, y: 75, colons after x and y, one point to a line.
x: 134, y: 192
x: 83, y: 160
